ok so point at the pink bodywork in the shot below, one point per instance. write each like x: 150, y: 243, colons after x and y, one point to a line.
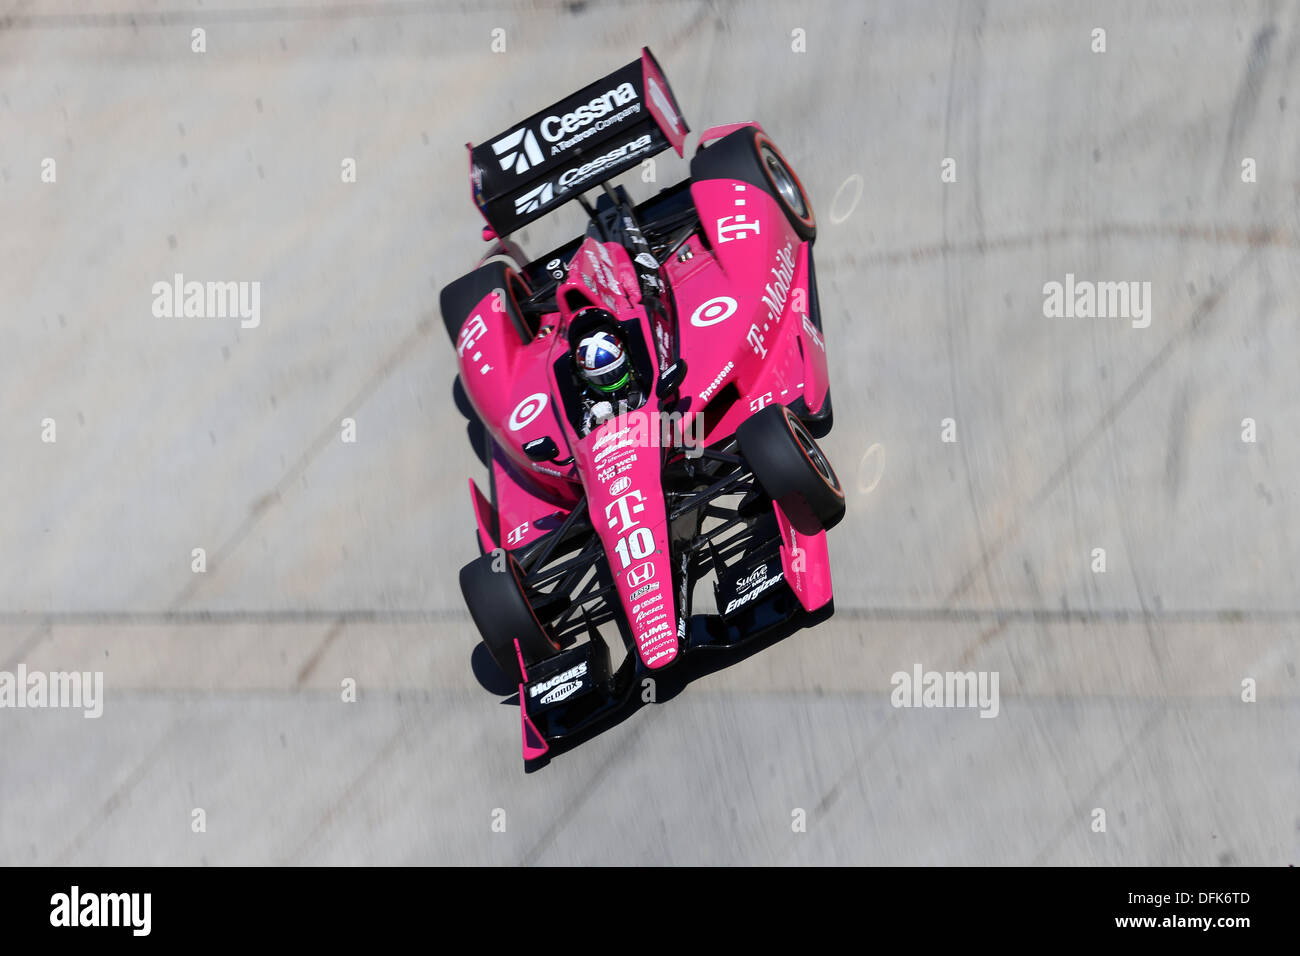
x: 742, y: 318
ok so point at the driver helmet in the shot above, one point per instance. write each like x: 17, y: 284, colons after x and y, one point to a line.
x: 601, y: 357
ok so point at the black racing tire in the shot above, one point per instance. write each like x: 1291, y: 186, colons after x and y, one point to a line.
x: 750, y: 156
x: 458, y: 299
x: 791, y: 468
x: 501, y: 612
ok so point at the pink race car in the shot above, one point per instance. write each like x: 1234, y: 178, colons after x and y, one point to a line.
x: 645, y: 398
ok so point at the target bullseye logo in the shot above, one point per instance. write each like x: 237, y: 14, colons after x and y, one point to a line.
x: 716, y: 310
x: 527, y: 410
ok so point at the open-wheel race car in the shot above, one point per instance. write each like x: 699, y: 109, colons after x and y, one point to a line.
x: 646, y: 398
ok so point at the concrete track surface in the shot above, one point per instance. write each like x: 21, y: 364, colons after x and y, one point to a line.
x: 1119, y: 691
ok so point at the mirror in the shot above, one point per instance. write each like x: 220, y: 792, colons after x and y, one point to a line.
x: 670, y: 380
x: 541, y: 449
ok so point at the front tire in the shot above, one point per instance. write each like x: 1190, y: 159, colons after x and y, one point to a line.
x: 496, y: 600
x: 791, y: 468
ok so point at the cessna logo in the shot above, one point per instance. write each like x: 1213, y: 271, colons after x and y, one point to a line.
x: 584, y: 172
x: 563, y: 678
x: 532, y: 200
x: 640, y: 574
x: 519, y: 150
x: 554, y: 128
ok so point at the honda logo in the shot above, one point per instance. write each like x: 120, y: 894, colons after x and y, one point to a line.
x: 640, y: 574
x: 522, y: 158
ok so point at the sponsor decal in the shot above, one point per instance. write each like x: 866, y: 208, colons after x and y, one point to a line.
x: 517, y: 534
x: 656, y: 614
x: 616, y: 467
x: 647, y: 260
x: 758, y: 575
x: 718, y: 380
x: 518, y: 150
x: 649, y: 633
x: 758, y: 404
x: 474, y: 330
x: 811, y: 331
x: 580, y: 174
x: 527, y: 411
x: 632, y: 503
x: 554, y: 128
x: 602, y: 272
x: 731, y: 228
x: 660, y: 99
x: 755, y: 338
x: 562, y: 692
x: 777, y: 291
x: 476, y: 183
x: 542, y: 687
x: 757, y: 587
x: 640, y: 574
x: 610, y: 435
x: 665, y: 344
x: 641, y: 592
x: 556, y: 268
x: 717, y: 309
x: 532, y: 200
x: 625, y: 442
x: 649, y: 604
x: 619, y: 486
x: 794, y: 550
x: 660, y: 655
x: 683, y: 599
x: 737, y: 226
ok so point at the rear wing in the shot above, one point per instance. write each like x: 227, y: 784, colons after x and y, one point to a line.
x: 604, y: 129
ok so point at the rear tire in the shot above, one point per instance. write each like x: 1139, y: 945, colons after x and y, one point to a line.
x: 750, y: 156
x: 791, y: 468
x: 502, y: 614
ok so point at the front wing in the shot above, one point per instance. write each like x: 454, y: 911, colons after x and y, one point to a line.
x: 768, y: 580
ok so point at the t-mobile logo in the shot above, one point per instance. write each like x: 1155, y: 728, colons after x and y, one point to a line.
x: 628, y: 505
x: 533, y: 199
x: 510, y: 152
